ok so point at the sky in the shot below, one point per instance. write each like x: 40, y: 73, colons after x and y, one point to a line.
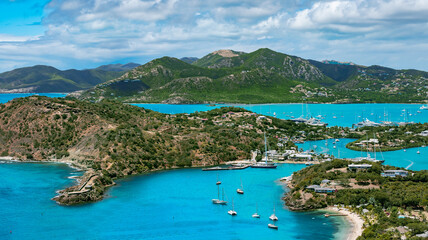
x: 88, y: 33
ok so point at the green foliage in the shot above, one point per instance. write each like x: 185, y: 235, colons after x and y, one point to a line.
x: 49, y: 79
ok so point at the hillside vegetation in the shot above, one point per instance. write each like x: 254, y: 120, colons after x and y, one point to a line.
x: 262, y: 76
x: 49, y: 79
x: 379, y: 200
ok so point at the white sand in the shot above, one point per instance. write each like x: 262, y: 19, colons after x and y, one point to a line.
x: 357, y: 223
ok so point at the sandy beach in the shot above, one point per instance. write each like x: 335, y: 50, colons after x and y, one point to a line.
x: 357, y: 223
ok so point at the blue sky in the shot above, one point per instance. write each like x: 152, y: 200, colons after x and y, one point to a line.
x: 88, y: 33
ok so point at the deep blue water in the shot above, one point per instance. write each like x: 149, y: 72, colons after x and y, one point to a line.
x: 397, y: 158
x: 166, y: 205
x: 334, y: 114
x: 6, y: 97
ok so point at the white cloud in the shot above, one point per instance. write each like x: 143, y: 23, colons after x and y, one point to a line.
x: 85, y: 33
x: 360, y: 15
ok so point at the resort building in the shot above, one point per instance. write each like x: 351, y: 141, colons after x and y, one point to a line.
x: 359, y: 166
x: 300, y: 157
x: 395, y: 173
x: 319, y: 189
x: 424, y: 133
x: 313, y: 187
x: 324, y: 190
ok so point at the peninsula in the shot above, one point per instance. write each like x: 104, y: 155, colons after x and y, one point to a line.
x: 110, y: 140
x: 389, y: 199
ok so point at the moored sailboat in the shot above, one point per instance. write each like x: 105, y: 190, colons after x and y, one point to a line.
x: 256, y: 215
x: 218, y: 200
x: 232, y: 212
x: 240, y: 190
x: 264, y: 164
x: 273, y: 217
x: 273, y: 226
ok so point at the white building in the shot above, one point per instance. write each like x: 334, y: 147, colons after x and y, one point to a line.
x: 424, y: 133
x: 395, y: 173
x: 359, y: 166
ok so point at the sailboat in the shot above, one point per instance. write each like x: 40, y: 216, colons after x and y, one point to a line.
x: 240, y: 190
x: 264, y: 164
x: 368, y: 157
x: 273, y: 217
x: 273, y: 226
x: 256, y: 215
x: 218, y: 200
x: 232, y: 212
x: 218, y: 181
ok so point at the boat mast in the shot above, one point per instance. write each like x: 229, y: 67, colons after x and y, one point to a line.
x: 218, y: 191
x: 374, y: 145
x: 222, y: 196
x: 265, y: 149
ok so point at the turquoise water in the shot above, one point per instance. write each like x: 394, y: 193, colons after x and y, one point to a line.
x: 166, y: 205
x: 334, y: 114
x: 397, y: 158
x: 6, y: 97
x: 177, y: 204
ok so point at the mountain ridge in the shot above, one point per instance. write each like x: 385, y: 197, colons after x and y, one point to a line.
x: 262, y: 76
x: 43, y: 78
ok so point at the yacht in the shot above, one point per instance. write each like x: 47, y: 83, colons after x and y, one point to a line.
x: 256, y: 215
x: 264, y: 164
x: 273, y: 217
x: 232, y: 212
x: 218, y: 200
x: 240, y: 190
x: 273, y: 226
x: 315, y: 122
x: 424, y: 107
x: 366, y: 123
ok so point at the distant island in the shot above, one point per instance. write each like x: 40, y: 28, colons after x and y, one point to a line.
x: 47, y: 79
x: 262, y: 76
x: 392, y: 201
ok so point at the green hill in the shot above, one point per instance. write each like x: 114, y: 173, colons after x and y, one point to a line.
x: 49, y: 79
x: 262, y: 76
x: 189, y: 60
x: 118, y: 67
x: 258, y: 77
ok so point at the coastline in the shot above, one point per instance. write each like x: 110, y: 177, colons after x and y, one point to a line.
x: 356, y: 223
x: 245, y: 104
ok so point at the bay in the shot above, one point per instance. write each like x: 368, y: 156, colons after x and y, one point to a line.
x: 172, y: 204
x: 334, y: 114
x: 177, y: 204
x: 399, y: 158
